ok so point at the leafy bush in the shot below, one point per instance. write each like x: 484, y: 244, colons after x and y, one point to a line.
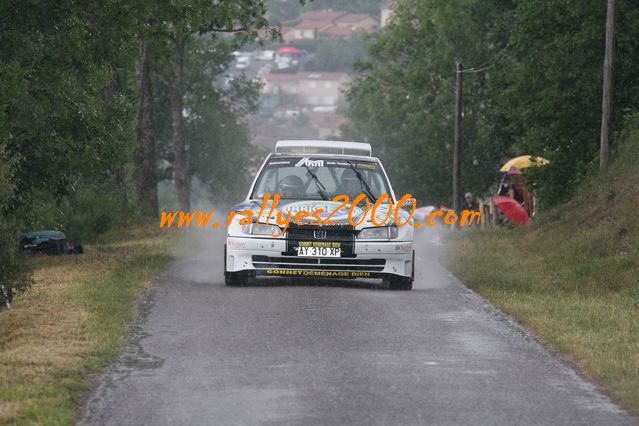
x: 88, y: 215
x: 84, y: 215
x: 14, y: 269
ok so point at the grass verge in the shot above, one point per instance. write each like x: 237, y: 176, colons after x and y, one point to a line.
x: 72, y: 323
x: 572, y: 277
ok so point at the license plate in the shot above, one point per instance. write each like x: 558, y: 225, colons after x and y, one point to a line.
x: 318, y: 251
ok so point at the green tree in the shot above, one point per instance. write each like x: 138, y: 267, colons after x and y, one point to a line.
x: 402, y: 100
x: 65, y: 112
x: 183, y: 20
x: 532, y: 85
x: 14, y: 270
x: 218, y: 140
x: 552, y: 95
x: 183, y: 48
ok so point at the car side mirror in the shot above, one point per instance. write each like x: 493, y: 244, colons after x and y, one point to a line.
x: 408, y: 205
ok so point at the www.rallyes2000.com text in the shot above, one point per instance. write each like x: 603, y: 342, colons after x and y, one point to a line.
x: 314, y: 217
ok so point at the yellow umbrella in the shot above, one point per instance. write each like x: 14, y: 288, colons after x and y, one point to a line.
x: 523, y: 162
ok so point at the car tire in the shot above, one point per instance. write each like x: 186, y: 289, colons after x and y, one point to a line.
x: 234, y: 279
x: 402, y: 283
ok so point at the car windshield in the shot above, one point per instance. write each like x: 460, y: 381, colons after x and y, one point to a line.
x: 310, y: 178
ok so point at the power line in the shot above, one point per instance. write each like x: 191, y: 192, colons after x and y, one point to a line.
x: 473, y: 70
x: 485, y: 66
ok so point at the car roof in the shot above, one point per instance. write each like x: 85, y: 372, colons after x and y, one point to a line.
x: 325, y: 156
x: 323, y: 146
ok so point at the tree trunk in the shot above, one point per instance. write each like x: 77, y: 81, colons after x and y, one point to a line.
x: 144, y: 171
x: 606, y: 108
x: 180, y: 163
x: 457, y: 138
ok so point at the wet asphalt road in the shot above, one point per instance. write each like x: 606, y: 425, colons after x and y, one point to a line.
x: 280, y: 352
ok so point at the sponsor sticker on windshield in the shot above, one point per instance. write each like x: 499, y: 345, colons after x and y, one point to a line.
x: 307, y: 162
x: 366, y: 166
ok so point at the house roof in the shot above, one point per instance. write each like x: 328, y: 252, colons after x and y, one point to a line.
x: 338, y: 31
x: 353, y: 18
x: 313, y: 25
x: 321, y: 15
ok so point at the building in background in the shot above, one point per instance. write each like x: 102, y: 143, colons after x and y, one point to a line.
x: 323, y: 88
x: 338, y: 31
x: 387, y: 10
x: 287, y: 34
x: 357, y: 22
x: 307, y: 30
x: 280, y: 83
x: 330, y: 23
x: 308, y: 88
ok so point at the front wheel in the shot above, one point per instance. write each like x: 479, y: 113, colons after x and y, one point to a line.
x: 400, y: 283
x: 235, y: 279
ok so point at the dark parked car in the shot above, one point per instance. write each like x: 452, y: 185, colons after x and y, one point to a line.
x: 48, y: 242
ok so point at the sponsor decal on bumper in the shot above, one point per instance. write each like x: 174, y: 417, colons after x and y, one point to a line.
x: 323, y: 274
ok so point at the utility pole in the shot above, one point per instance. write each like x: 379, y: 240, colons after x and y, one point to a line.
x: 606, y: 105
x: 458, y: 133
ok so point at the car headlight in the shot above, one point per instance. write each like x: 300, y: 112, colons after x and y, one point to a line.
x: 261, y: 229
x: 378, y: 233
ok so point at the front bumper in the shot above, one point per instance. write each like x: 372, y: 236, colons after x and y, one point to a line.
x: 264, y: 257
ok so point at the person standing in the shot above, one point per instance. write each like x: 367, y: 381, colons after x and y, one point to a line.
x: 470, y: 203
x: 504, y: 187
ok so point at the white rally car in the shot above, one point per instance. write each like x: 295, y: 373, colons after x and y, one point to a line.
x: 333, y: 237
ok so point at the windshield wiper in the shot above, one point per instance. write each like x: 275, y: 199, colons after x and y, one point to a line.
x: 321, y: 189
x: 363, y: 184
